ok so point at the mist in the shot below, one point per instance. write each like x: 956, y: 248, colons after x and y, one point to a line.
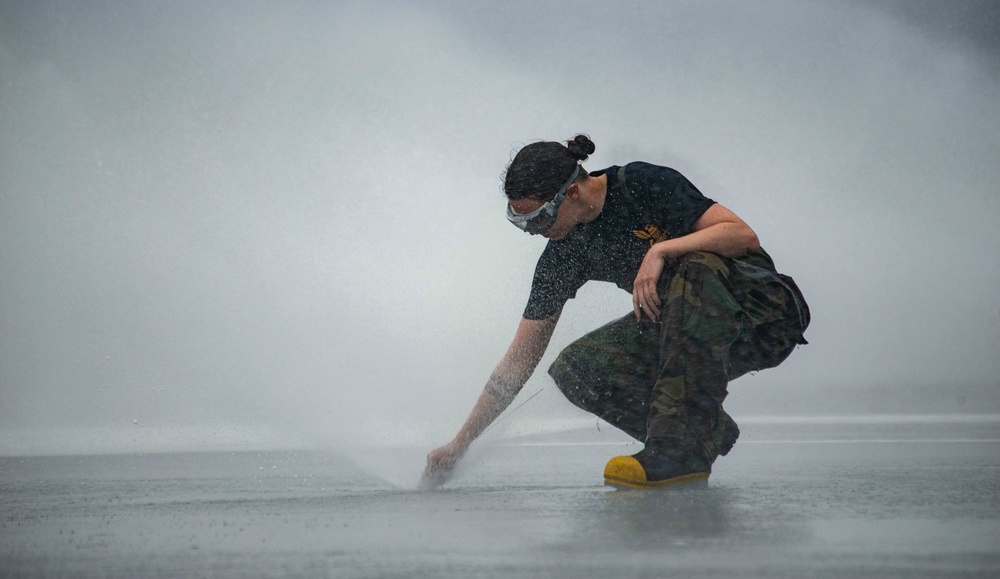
x: 252, y: 224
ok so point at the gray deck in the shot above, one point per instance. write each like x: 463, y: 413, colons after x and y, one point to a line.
x: 916, y: 500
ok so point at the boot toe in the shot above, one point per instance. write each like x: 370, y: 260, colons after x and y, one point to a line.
x: 625, y: 470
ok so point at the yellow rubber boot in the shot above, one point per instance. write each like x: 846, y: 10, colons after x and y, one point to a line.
x: 626, y: 471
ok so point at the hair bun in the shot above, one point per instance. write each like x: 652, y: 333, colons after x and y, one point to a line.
x: 581, y: 147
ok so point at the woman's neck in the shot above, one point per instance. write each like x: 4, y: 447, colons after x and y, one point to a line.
x: 595, y: 191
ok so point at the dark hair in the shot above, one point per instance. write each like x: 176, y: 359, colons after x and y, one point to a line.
x: 540, y: 169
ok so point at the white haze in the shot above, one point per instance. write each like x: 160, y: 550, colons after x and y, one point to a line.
x: 262, y: 223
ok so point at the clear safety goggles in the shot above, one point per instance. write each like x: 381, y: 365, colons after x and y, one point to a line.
x: 540, y: 220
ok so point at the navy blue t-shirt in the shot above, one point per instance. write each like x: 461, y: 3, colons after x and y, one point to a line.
x: 660, y: 204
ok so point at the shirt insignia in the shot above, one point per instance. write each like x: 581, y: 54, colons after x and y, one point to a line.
x: 652, y: 233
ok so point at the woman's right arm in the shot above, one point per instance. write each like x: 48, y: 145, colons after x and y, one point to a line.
x: 510, y: 375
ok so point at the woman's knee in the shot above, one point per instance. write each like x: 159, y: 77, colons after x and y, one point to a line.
x: 571, y: 372
x: 584, y: 372
x: 698, y: 264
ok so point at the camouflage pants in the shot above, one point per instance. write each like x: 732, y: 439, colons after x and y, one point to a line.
x: 664, y: 382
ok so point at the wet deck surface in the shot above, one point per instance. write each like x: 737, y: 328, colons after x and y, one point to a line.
x: 825, y: 501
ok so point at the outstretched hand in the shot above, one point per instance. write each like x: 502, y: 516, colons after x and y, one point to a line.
x: 440, y: 464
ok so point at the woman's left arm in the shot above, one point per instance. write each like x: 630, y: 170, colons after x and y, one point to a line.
x: 718, y: 230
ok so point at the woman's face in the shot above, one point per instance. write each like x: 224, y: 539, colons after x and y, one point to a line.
x: 566, y: 216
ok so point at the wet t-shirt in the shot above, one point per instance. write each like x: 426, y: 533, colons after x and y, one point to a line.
x: 659, y: 204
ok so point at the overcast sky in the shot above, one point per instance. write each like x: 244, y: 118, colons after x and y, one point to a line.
x: 285, y: 218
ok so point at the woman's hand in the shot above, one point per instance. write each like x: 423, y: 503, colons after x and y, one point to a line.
x: 507, y: 379
x: 440, y: 462
x: 644, y: 295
